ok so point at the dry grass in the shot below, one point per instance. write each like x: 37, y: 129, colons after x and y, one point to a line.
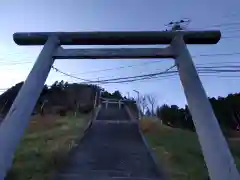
x: 45, y: 146
x: 147, y: 125
x: 178, y: 151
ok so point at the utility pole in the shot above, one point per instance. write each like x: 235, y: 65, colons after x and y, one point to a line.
x: 138, y: 104
x: 99, y: 98
x: 128, y: 95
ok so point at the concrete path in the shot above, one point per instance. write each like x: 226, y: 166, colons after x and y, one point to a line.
x: 110, y: 151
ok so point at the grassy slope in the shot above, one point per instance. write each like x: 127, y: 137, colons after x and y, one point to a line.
x: 45, y: 144
x: 178, y: 151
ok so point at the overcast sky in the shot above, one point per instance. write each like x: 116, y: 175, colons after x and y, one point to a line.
x: 118, y: 15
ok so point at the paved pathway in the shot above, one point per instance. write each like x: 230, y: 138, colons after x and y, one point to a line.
x: 110, y: 151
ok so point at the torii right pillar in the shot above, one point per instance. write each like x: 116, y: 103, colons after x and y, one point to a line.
x: 218, y: 158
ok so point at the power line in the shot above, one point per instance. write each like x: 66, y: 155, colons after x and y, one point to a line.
x: 157, y: 76
x: 211, y: 69
x: 218, y: 54
x: 15, y: 63
x: 218, y: 63
x: 155, y: 61
x: 154, y: 74
x: 216, y: 67
x: 226, y: 24
x: 170, y: 73
x: 230, y: 37
x: 199, y: 65
x: 57, y: 70
x: 175, y: 73
x: 222, y: 25
x: 229, y: 30
x: 147, y: 76
x: 121, y: 67
x: 140, y: 77
x: 114, y: 79
x: 175, y: 76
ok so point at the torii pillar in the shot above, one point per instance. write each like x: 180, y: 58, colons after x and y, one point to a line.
x: 218, y: 158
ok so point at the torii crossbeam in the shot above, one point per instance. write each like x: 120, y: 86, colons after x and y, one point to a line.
x: 216, y: 153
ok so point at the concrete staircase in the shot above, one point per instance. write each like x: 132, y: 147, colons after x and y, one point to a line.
x: 110, y: 151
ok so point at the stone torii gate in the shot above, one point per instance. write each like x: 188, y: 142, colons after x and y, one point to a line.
x: 216, y: 153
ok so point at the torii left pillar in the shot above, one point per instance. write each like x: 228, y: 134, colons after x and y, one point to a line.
x: 17, y: 119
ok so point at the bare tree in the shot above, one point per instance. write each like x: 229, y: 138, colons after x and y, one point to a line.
x: 143, y: 103
x: 152, y: 100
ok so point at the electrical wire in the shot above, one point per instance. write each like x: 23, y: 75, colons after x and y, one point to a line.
x: 114, y: 79
x: 218, y: 54
x: 155, y: 61
x: 147, y: 76
x: 158, y: 76
x: 131, y: 78
x: 67, y: 74
x: 226, y: 24
x: 136, y: 78
x: 175, y: 73
x: 221, y: 25
x: 15, y: 63
x: 218, y: 63
x: 230, y: 37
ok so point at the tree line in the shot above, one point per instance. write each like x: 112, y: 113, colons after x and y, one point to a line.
x: 61, y: 96
x: 226, y: 109
x: 81, y: 97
